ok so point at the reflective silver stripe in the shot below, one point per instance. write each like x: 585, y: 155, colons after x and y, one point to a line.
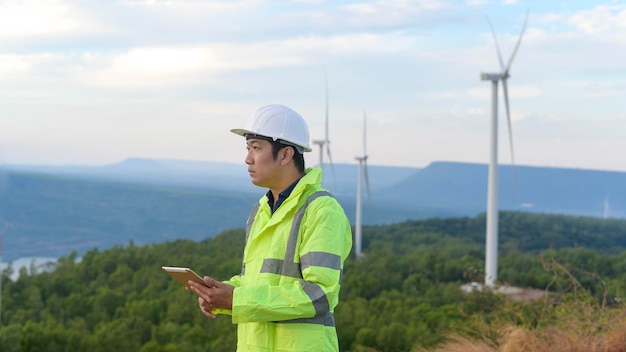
x: 327, y: 260
x: 249, y: 223
x: 295, y: 226
x: 317, y: 296
x: 327, y: 319
x: 255, y: 209
x: 280, y: 267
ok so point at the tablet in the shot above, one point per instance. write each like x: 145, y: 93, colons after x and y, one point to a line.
x: 183, y: 275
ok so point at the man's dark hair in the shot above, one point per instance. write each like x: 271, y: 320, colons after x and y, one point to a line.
x: 297, y: 157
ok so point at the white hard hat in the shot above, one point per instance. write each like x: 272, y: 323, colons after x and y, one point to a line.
x: 278, y: 122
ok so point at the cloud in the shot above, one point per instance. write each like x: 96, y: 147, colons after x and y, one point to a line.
x: 191, y: 5
x: 30, y: 18
x: 186, y: 64
x: 30, y: 76
x: 12, y: 63
x: 476, y: 2
x: 145, y: 67
x: 180, y: 65
x: 594, y: 89
x: 600, y: 19
x: 398, y: 7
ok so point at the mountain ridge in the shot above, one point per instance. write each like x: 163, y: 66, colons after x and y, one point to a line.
x: 48, y: 211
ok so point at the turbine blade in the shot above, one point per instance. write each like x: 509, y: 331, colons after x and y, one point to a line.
x: 364, y: 134
x: 508, y: 119
x: 326, y: 84
x: 519, y: 41
x: 495, y: 39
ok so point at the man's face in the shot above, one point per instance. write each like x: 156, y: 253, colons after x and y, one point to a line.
x: 262, y: 167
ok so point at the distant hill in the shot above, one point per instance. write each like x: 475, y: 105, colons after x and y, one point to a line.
x: 155, y: 172
x: 51, y: 215
x: 463, y: 186
x: 340, y: 178
x: 49, y: 211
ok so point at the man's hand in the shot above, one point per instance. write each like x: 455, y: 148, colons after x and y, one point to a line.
x: 213, y: 294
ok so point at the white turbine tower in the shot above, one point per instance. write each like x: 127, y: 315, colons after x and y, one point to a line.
x: 491, y: 260
x: 360, y: 178
x: 324, y: 144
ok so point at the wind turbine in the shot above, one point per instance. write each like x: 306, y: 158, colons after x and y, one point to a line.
x: 491, y: 260
x: 325, y: 143
x: 362, y: 176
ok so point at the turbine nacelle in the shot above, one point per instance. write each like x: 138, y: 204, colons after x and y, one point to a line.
x: 494, y: 76
x: 321, y: 144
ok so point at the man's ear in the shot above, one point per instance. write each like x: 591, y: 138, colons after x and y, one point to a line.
x: 286, y: 155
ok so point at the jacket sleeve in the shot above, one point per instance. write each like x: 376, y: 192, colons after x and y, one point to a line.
x: 326, y: 240
x: 234, y: 281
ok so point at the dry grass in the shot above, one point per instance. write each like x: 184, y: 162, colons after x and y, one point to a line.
x: 458, y: 343
x: 516, y: 339
x: 579, y: 323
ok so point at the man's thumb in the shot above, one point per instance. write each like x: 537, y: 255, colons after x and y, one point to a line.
x: 210, y: 282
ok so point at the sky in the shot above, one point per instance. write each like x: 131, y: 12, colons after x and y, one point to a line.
x: 94, y: 82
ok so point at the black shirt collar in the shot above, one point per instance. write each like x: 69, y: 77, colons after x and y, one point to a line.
x: 281, y: 196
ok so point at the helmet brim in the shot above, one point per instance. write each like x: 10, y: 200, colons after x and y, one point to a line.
x: 243, y: 132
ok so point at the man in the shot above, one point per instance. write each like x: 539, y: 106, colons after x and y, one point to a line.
x: 297, y: 239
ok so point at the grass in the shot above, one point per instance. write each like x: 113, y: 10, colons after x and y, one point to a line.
x: 571, y: 321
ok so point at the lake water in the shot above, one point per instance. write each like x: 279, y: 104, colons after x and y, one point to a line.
x: 40, y: 264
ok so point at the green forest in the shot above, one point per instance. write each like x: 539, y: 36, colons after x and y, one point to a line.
x: 403, y: 295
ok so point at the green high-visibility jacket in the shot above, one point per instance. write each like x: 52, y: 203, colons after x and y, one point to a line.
x: 286, y: 294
